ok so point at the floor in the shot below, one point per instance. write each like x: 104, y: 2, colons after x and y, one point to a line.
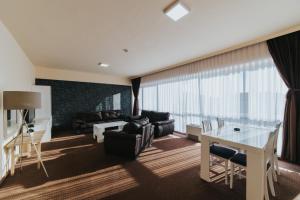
x: 79, y: 169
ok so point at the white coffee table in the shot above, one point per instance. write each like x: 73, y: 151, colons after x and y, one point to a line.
x: 99, y: 129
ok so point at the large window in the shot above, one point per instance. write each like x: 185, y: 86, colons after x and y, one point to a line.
x: 250, y: 92
x: 149, y: 99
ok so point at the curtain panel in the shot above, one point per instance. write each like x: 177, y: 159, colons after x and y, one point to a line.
x: 240, y: 86
x: 285, y: 51
x: 135, y: 89
x: 234, y: 59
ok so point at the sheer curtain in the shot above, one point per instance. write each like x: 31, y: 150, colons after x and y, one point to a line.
x: 149, y: 98
x: 239, y: 86
x: 220, y: 93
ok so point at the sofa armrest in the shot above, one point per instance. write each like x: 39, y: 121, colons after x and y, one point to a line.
x: 158, y: 123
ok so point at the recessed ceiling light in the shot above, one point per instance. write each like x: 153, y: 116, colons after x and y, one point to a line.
x: 176, y: 10
x: 103, y: 64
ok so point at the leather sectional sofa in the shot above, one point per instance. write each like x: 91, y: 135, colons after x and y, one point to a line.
x: 84, y: 122
x: 163, y: 125
x: 131, y: 141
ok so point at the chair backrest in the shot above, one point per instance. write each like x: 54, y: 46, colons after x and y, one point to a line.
x: 206, y: 125
x: 276, y: 137
x: 269, y: 148
x: 220, y: 122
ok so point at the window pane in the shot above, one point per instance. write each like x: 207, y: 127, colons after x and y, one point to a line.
x: 249, y: 92
x: 220, y: 92
x: 181, y: 99
x: 117, y: 101
x: 266, y: 93
x: 140, y: 99
x: 150, y: 98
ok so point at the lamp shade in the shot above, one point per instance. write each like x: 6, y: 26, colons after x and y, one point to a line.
x: 14, y: 100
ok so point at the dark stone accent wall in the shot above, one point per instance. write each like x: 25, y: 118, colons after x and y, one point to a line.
x: 70, y: 97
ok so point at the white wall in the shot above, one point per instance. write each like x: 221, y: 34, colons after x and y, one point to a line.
x: 43, y: 115
x: 72, y: 75
x: 16, y: 73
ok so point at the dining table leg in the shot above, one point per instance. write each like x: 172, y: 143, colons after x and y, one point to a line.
x: 204, y: 170
x: 255, y: 175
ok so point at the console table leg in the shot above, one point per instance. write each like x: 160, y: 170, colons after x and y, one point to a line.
x: 29, y: 150
x: 12, y: 160
x: 39, y: 150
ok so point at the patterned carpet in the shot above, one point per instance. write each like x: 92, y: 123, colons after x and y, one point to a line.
x: 79, y: 169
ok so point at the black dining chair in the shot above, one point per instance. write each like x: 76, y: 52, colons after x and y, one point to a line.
x: 222, y: 153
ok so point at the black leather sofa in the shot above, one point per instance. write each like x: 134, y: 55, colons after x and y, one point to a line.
x: 84, y: 122
x: 131, y: 141
x: 163, y: 125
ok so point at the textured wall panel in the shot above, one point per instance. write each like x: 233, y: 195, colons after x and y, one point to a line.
x: 70, y: 97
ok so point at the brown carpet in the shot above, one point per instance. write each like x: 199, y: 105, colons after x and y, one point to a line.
x: 79, y: 169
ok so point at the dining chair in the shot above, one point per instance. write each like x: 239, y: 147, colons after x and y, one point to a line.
x: 222, y: 153
x: 240, y: 160
x: 221, y: 122
x: 276, y: 167
x: 206, y: 125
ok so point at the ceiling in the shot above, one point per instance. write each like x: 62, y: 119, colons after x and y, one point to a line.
x: 78, y: 34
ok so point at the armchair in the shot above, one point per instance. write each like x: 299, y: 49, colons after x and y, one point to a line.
x: 120, y: 143
x: 131, y: 141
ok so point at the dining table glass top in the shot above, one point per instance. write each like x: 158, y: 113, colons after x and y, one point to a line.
x: 251, y: 136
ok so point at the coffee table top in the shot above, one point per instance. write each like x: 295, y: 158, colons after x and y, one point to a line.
x: 110, y: 124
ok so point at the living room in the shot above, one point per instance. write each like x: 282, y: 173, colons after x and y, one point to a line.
x: 149, y: 99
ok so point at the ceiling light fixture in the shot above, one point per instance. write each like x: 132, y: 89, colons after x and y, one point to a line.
x: 103, y: 64
x: 176, y: 10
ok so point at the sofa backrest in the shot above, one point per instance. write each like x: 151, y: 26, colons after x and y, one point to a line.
x: 136, y: 126
x: 99, y: 116
x: 89, y: 116
x: 142, y: 121
x: 155, y: 116
x: 133, y: 128
x: 110, y: 114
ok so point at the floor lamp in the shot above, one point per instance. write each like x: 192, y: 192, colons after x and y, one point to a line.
x: 21, y: 101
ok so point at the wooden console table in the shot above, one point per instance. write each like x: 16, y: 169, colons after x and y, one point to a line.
x: 28, y: 141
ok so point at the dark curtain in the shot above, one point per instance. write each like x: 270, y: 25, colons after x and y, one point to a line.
x: 285, y: 51
x: 135, y: 89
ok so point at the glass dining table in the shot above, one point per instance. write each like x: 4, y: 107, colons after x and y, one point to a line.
x: 250, y: 139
